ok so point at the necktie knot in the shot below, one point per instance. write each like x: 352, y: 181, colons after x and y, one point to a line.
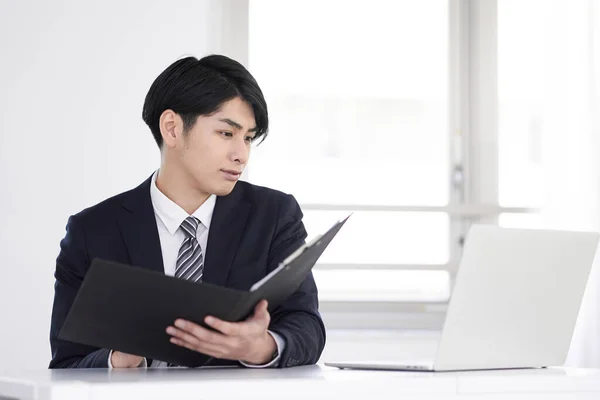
x: 190, y: 226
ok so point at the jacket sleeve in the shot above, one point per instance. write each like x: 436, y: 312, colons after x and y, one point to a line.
x: 297, y: 319
x: 72, y: 264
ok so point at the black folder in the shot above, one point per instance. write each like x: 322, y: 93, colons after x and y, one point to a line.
x: 128, y: 309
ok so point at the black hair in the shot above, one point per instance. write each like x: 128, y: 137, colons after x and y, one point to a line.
x: 192, y: 87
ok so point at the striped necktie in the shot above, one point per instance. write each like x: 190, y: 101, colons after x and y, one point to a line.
x: 190, y: 261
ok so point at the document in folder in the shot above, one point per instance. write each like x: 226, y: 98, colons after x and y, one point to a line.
x: 106, y: 314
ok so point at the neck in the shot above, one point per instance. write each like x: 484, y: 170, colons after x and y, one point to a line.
x: 178, y: 187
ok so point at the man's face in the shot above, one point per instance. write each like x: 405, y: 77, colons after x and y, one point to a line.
x: 216, y: 149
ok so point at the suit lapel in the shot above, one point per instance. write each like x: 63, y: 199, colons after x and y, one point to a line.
x: 226, y: 229
x: 138, y: 227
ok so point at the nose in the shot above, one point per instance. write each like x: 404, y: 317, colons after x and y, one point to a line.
x: 239, y: 152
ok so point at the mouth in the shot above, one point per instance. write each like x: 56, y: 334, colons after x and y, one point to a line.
x: 231, y: 174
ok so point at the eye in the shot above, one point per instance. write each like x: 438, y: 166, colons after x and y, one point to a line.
x: 249, y: 139
x: 226, y: 134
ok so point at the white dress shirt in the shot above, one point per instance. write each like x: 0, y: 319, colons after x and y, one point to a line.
x: 169, y: 217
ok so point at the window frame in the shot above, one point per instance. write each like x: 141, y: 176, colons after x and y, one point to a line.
x: 473, y: 169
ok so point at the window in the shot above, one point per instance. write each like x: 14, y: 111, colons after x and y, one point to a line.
x: 359, y: 122
x: 548, y: 111
x: 422, y: 118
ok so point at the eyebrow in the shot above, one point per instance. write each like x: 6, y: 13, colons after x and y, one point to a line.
x: 236, y: 125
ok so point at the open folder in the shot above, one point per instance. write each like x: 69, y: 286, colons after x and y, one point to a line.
x: 128, y: 309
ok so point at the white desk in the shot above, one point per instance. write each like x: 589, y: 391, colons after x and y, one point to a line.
x: 306, y: 383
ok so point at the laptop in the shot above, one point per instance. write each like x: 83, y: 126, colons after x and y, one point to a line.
x: 514, y: 304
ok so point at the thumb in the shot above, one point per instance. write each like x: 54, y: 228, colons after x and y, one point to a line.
x: 261, y: 313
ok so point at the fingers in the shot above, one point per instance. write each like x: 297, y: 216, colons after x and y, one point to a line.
x: 260, y: 321
x: 226, y: 328
x: 123, y: 360
x: 194, y: 333
x: 196, y: 338
x: 229, y: 340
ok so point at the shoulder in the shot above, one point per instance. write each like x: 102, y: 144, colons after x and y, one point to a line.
x: 107, y: 209
x: 265, y: 198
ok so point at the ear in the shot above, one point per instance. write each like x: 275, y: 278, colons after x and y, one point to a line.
x: 171, y: 127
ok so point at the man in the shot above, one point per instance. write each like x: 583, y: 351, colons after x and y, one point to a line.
x: 192, y: 219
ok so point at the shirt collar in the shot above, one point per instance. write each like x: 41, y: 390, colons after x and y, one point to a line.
x: 172, y: 215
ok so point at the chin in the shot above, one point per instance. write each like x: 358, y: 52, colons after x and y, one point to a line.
x: 224, y: 190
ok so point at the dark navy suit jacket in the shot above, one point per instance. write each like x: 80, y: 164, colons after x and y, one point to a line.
x: 252, y: 230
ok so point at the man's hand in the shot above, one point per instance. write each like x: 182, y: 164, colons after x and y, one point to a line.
x: 247, y: 341
x: 124, y: 360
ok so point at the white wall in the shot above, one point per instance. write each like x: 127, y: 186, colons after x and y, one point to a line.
x: 73, y: 77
